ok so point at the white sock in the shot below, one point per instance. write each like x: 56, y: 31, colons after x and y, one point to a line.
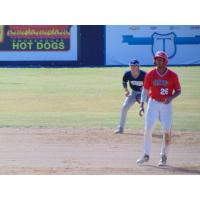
x: 164, y: 149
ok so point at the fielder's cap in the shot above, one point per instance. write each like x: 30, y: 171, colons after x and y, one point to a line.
x: 134, y: 62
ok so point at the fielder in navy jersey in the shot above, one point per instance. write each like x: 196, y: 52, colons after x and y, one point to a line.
x: 135, y: 77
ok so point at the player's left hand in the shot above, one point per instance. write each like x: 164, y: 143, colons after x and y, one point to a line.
x: 168, y: 100
x: 141, y: 111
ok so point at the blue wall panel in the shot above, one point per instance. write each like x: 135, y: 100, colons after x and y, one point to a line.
x: 181, y: 43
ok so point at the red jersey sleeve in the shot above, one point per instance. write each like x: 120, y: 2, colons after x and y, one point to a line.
x: 147, y: 81
x: 177, y: 85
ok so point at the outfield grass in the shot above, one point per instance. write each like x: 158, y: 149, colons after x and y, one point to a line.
x: 88, y: 97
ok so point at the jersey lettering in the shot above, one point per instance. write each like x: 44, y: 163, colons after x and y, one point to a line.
x: 138, y: 83
x: 160, y: 82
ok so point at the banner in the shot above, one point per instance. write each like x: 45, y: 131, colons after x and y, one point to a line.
x: 181, y: 43
x: 35, y: 38
x: 38, y: 42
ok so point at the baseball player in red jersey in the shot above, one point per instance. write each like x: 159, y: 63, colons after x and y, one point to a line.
x: 162, y: 85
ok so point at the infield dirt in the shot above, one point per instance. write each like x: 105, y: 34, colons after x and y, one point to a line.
x: 92, y: 151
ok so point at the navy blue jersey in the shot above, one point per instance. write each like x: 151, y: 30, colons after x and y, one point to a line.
x: 136, y: 84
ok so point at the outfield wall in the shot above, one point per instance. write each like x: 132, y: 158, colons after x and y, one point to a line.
x: 96, y: 45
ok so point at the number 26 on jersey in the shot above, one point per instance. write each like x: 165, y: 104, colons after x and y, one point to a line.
x: 164, y: 91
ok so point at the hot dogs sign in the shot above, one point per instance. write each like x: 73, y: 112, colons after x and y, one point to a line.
x: 35, y: 38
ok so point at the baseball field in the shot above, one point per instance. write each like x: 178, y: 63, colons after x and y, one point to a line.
x: 61, y: 121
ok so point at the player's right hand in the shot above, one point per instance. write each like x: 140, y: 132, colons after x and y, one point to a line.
x: 141, y: 111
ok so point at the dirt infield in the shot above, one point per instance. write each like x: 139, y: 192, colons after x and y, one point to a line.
x: 92, y: 151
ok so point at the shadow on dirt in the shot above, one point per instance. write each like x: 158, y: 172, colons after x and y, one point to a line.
x: 183, y: 170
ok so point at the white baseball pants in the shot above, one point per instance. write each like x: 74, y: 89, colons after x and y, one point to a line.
x: 157, y: 111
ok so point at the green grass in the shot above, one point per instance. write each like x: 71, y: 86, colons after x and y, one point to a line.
x: 88, y: 97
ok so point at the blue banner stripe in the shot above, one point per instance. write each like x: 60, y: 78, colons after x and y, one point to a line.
x: 137, y: 41
x: 187, y: 40
x: 131, y: 40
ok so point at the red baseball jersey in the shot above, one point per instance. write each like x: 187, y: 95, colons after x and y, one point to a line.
x: 161, y: 86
